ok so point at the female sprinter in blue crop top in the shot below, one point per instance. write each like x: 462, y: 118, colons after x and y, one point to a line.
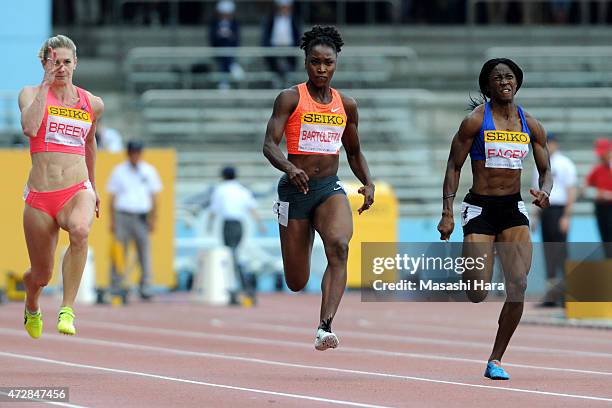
x: 497, y: 135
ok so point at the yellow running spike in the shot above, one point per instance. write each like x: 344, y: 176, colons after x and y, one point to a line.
x: 65, y: 321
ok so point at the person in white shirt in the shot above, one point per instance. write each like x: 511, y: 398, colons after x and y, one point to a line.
x: 555, y: 221
x: 232, y: 202
x: 109, y: 139
x: 133, y: 188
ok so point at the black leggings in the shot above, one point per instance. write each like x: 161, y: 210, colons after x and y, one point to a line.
x: 232, y: 235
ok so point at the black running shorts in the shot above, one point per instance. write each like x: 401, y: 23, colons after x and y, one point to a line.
x: 490, y: 215
x: 293, y: 204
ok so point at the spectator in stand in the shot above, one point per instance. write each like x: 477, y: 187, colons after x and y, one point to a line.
x: 281, y: 29
x: 224, y: 31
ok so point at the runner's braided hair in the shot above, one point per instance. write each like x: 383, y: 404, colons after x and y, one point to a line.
x: 317, y: 35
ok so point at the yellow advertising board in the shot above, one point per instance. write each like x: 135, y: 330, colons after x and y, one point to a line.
x: 15, y: 166
x: 378, y: 224
x: 591, y: 279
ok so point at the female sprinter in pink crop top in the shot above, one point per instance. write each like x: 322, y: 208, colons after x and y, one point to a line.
x: 60, y: 121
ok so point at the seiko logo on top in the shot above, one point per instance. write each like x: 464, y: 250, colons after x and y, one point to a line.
x: 323, y: 119
x: 493, y: 136
x: 69, y: 113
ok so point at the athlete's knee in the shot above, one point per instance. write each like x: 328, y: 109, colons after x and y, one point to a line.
x: 40, y: 277
x: 78, y: 234
x: 516, y: 287
x: 338, y: 249
x: 477, y: 296
x: 295, y: 285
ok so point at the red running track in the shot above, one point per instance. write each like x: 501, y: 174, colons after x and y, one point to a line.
x: 175, y: 353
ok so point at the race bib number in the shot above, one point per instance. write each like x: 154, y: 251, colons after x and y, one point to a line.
x: 321, y: 132
x: 67, y: 126
x: 469, y: 212
x: 281, y: 210
x: 506, y: 150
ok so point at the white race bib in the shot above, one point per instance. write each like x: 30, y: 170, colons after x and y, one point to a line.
x: 505, y: 150
x: 67, y: 126
x: 281, y: 210
x: 321, y: 132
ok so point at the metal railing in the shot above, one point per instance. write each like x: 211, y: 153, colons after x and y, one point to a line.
x: 561, y: 65
x: 431, y: 117
x: 585, y: 10
x: 591, y: 52
x: 159, y: 65
x: 256, y: 97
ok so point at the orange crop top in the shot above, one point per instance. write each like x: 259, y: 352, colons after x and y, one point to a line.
x: 64, y: 129
x: 315, y: 128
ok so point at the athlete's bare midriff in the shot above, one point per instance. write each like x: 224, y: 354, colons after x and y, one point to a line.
x: 494, y: 181
x: 54, y: 171
x: 316, y: 165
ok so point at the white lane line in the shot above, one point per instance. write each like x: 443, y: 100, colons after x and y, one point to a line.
x: 412, y: 339
x: 426, y: 340
x: 58, y: 403
x: 441, y: 318
x: 155, y: 349
x: 524, y: 333
x: 358, y: 350
x: 442, y: 325
x: 187, y: 381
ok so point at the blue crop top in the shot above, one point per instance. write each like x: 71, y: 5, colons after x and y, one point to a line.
x: 500, y: 148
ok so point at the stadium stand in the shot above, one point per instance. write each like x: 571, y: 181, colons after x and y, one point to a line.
x: 405, y: 131
x: 172, y: 67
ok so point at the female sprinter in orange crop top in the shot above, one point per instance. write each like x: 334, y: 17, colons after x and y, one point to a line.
x: 497, y: 135
x: 316, y: 120
x: 60, y: 121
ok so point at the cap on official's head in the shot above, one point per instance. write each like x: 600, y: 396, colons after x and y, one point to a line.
x: 552, y: 137
x: 283, y: 2
x: 228, y: 173
x: 602, y: 147
x: 134, y: 146
x: 226, y: 7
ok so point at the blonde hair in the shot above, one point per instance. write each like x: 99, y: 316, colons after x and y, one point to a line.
x: 59, y: 41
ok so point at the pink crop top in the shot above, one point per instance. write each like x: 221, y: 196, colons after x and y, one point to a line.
x: 64, y: 129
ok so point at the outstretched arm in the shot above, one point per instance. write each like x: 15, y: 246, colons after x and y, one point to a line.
x: 284, y: 105
x: 356, y: 159
x: 460, y: 147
